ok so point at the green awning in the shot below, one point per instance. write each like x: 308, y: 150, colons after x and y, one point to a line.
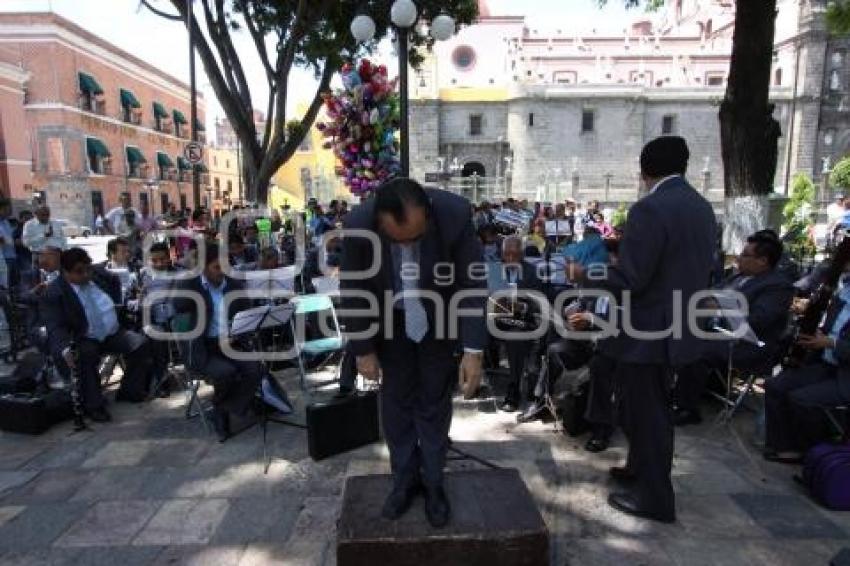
x: 159, y: 110
x: 89, y: 85
x: 134, y: 155
x: 201, y: 168
x: 183, y: 164
x: 199, y: 125
x: 163, y: 160
x: 129, y: 99
x: 179, y: 118
x: 97, y: 148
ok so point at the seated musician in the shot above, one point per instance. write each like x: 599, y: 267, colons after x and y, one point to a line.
x: 118, y: 262
x: 794, y: 397
x: 234, y: 382
x: 769, y: 294
x: 79, y: 305
x: 242, y: 257
x: 158, y: 276
x: 524, y: 276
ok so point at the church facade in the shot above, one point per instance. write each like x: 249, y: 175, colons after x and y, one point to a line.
x: 508, y: 109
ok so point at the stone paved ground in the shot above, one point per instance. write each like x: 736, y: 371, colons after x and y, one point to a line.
x: 153, y: 488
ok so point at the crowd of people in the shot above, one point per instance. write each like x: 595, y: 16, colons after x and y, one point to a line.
x: 78, y: 312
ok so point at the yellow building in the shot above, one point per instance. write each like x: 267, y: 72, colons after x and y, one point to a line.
x: 308, y: 173
x: 224, y: 178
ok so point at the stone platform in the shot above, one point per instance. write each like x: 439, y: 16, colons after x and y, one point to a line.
x: 494, y: 521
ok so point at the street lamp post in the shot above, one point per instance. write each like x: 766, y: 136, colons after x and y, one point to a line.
x: 403, y: 15
x: 193, y: 88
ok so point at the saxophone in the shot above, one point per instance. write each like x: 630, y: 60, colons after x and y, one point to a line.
x: 76, y: 398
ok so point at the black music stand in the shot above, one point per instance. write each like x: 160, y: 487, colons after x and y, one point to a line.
x: 253, y: 322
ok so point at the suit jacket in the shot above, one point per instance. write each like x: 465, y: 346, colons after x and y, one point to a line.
x: 63, y: 313
x: 450, y: 237
x: 769, y: 297
x: 194, y: 351
x: 842, y: 347
x: 668, y: 246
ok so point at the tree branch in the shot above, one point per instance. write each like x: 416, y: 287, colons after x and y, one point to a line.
x: 259, y: 42
x: 160, y: 13
x: 233, y: 57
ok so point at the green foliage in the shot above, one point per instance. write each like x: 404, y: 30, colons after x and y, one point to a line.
x: 840, y: 176
x: 838, y: 17
x: 620, y: 215
x: 797, y: 216
x: 650, y: 5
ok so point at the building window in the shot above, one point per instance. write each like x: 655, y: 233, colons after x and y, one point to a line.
x: 838, y: 58
x: 98, y: 157
x: 829, y: 138
x: 143, y: 199
x: 668, y: 125
x: 835, y: 81
x: 55, y: 156
x: 777, y: 77
x: 531, y: 119
x: 229, y: 187
x: 305, y: 144
x: 588, y: 117
x: 463, y: 58
x: 215, y: 161
x: 715, y: 79
x: 130, y: 107
x: 227, y: 164
x: 217, y: 183
x: 565, y: 77
x: 476, y: 122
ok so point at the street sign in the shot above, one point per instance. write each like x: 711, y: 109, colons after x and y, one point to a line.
x: 194, y: 153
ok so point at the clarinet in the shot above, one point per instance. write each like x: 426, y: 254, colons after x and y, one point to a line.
x: 76, y: 401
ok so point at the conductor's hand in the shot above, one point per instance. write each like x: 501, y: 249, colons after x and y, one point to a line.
x: 469, y: 374
x: 819, y: 341
x: 368, y: 367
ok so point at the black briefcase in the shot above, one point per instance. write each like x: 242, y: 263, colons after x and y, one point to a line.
x: 33, y: 413
x: 340, y: 425
x: 573, y: 408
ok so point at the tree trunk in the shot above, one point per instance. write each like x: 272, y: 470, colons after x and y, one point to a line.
x: 749, y: 134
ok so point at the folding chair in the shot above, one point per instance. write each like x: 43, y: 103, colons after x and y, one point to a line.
x: 839, y: 422
x: 314, y: 348
x: 188, y: 379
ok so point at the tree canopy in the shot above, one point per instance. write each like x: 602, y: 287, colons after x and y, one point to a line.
x: 838, y: 17
x: 311, y: 34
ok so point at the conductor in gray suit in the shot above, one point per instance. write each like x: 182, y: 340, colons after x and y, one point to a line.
x: 417, y: 362
x: 666, y: 256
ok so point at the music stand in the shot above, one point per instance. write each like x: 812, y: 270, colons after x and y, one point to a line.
x: 749, y: 337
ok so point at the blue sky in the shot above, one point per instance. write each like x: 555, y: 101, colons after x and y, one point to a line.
x: 165, y: 44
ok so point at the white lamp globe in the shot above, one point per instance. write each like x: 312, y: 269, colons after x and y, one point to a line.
x: 363, y: 28
x: 403, y: 13
x: 442, y: 27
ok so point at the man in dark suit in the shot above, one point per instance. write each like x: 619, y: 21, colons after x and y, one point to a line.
x: 793, y: 398
x: 80, y: 305
x: 768, y: 294
x: 523, y: 276
x: 425, y: 235
x: 234, y: 382
x: 665, y: 257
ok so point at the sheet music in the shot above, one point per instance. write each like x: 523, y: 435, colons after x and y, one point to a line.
x: 271, y: 281
x: 560, y: 227
x: 729, y: 308
x: 326, y: 285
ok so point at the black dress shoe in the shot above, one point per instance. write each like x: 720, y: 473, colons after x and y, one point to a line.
x: 627, y: 503
x: 221, y: 424
x: 124, y: 397
x: 99, y: 415
x: 683, y: 417
x: 532, y: 412
x: 437, y: 507
x: 399, y: 500
x: 622, y: 475
x: 509, y: 406
x: 597, y: 444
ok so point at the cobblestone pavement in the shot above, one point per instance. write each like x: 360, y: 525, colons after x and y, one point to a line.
x: 154, y: 488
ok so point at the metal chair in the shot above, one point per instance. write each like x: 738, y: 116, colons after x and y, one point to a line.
x: 190, y: 380
x: 315, y: 348
x: 839, y: 422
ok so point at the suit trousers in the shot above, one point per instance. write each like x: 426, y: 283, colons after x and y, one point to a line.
x: 601, y: 407
x: 792, y: 401
x: 416, y: 404
x: 647, y: 420
x: 234, y: 382
x: 517, y: 352
x: 135, y: 350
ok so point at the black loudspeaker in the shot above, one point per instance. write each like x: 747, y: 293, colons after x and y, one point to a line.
x: 340, y: 425
x: 34, y: 413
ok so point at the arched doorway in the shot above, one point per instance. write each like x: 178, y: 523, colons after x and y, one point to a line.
x: 472, y: 168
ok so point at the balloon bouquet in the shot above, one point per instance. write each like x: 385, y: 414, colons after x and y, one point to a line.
x: 362, y: 122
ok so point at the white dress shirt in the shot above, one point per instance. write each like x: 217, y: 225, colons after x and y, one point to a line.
x: 35, y: 238
x: 662, y: 181
x: 99, y: 310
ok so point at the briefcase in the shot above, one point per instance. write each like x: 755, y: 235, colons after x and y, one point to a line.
x: 573, y: 407
x: 340, y: 425
x: 32, y: 413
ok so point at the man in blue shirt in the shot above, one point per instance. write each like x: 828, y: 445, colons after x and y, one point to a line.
x: 7, y: 241
x: 235, y: 382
